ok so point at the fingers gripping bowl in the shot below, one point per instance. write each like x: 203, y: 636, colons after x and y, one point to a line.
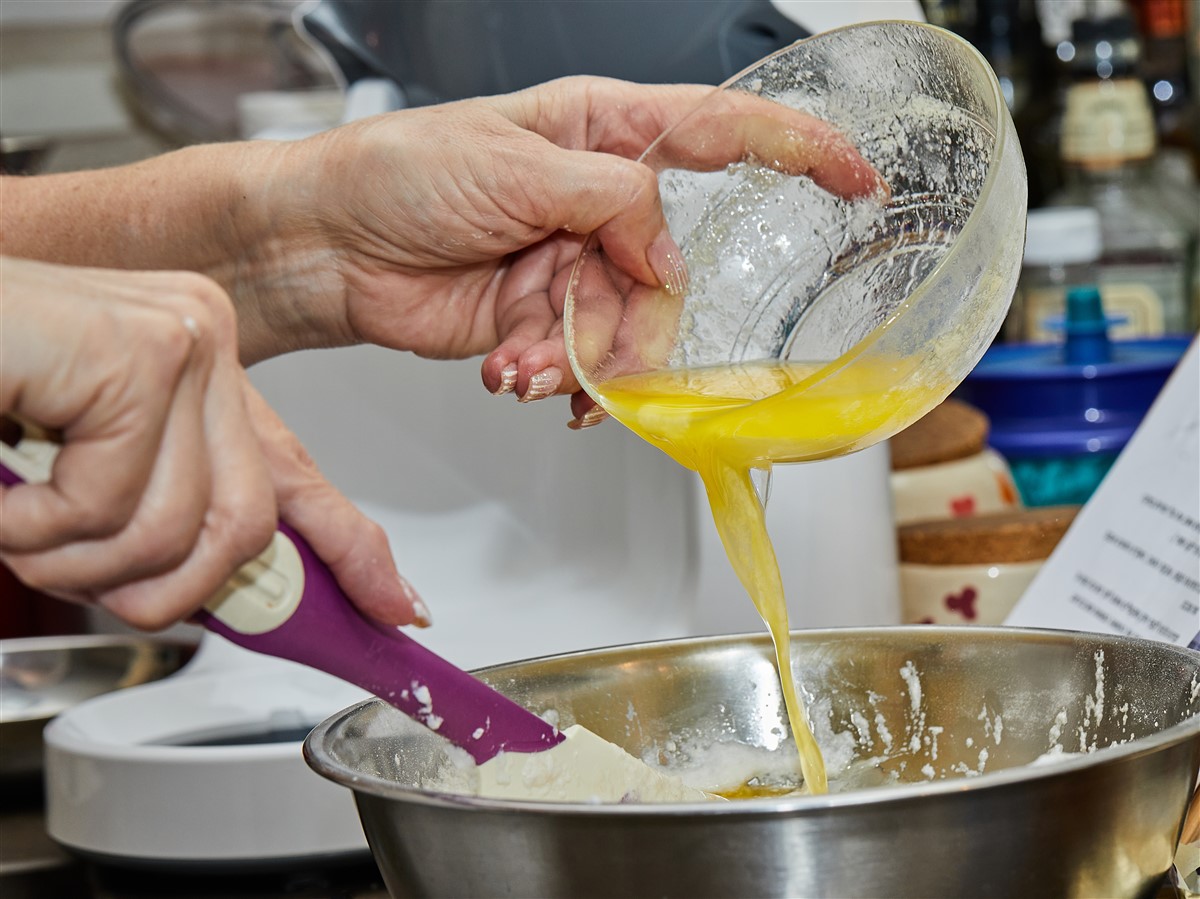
x: 789, y: 259
x: 930, y: 734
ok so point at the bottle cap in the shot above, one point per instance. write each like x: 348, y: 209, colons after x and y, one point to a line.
x: 1062, y: 235
x: 1087, y: 328
x: 1108, y: 123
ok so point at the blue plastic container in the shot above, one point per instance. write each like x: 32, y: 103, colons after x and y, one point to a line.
x: 1061, y: 414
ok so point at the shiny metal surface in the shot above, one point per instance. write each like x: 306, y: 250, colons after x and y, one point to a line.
x: 1101, y: 824
x: 42, y: 676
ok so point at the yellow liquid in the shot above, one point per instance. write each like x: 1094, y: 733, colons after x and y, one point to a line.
x: 756, y: 791
x: 722, y: 422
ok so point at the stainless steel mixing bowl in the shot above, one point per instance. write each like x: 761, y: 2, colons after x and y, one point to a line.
x: 951, y: 717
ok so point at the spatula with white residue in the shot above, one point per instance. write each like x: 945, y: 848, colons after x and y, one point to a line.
x: 286, y: 603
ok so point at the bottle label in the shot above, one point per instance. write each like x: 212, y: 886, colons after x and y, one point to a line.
x: 1137, y: 308
x: 1137, y: 305
x: 1153, y: 295
x: 1108, y: 123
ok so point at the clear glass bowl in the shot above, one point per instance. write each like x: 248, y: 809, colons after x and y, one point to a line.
x: 780, y: 269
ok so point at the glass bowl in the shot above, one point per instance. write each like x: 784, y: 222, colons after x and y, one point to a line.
x: 890, y: 299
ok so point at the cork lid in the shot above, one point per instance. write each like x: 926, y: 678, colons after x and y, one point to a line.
x: 952, y: 430
x: 1023, y: 535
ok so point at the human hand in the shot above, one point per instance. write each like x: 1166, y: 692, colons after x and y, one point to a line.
x: 171, y: 468
x: 1191, y: 823
x: 449, y: 231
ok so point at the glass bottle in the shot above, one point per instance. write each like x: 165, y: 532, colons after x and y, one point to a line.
x: 1163, y: 67
x: 1108, y: 151
x: 1062, y: 249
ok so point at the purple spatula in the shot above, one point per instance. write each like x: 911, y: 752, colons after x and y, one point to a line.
x: 286, y: 603
x: 322, y: 629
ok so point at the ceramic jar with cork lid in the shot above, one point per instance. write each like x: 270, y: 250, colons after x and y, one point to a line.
x: 973, y: 570
x: 943, y: 468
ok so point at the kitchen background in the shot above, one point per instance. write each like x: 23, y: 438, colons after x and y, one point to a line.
x: 539, y: 540
x: 1103, y: 93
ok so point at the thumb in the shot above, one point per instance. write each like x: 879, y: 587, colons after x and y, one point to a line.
x: 584, y: 191
x: 354, y: 547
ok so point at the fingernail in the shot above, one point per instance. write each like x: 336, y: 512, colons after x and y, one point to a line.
x: 592, y: 416
x: 421, y: 616
x: 543, y: 384
x: 508, y: 380
x: 882, y: 188
x: 666, y: 260
x: 192, y: 327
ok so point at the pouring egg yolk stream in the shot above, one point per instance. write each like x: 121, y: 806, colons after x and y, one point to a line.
x: 724, y: 421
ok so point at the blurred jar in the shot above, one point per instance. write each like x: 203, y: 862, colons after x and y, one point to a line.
x: 1062, y: 248
x: 973, y: 570
x: 942, y: 467
x: 1180, y: 192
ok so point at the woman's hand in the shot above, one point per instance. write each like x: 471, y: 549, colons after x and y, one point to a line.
x: 171, y: 468
x: 446, y: 230
x: 449, y: 230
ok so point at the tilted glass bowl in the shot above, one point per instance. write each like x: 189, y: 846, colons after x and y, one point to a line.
x: 778, y: 268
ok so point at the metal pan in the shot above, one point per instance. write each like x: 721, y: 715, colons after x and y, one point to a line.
x: 43, y: 676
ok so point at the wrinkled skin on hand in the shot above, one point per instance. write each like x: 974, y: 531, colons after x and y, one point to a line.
x: 452, y: 229
x: 172, y: 467
x: 446, y: 231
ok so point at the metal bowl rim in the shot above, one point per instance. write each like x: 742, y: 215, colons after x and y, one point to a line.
x: 320, y: 760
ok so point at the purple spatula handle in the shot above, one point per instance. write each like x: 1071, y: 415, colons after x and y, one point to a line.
x: 325, y: 631
x: 8, y: 478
